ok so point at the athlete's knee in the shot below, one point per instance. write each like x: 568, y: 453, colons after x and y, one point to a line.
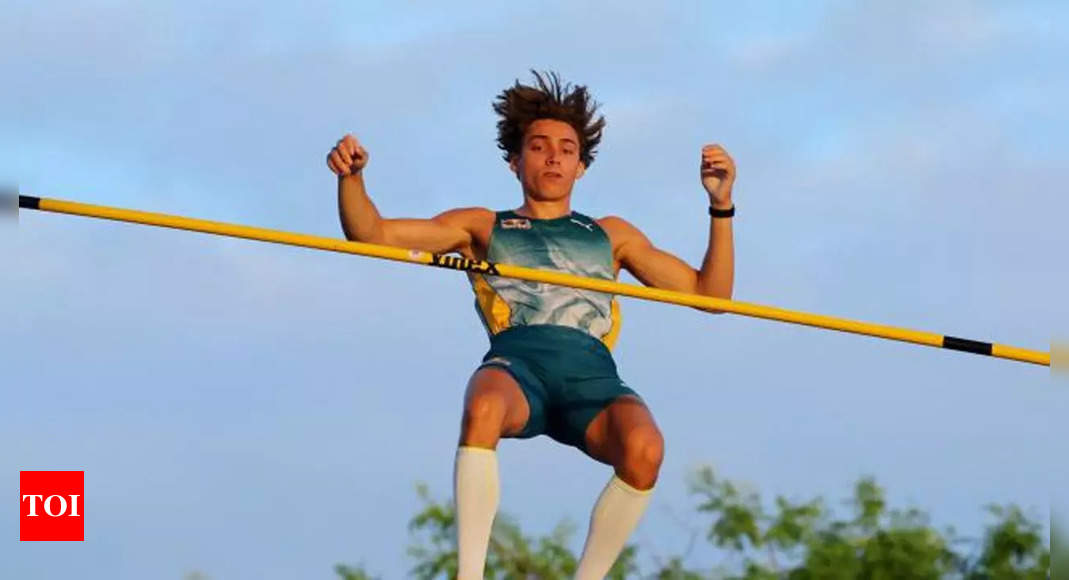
x: 485, y: 409
x: 643, y: 451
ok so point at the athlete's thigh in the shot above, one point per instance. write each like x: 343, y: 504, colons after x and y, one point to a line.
x: 497, y: 383
x: 606, y: 436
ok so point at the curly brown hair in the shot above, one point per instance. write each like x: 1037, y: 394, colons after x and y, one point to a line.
x: 521, y: 105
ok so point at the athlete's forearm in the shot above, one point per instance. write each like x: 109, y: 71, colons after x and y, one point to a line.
x: 717, y: 275
x: 360, y: 220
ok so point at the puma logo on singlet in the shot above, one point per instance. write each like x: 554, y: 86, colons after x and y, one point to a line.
x: 589, y: 227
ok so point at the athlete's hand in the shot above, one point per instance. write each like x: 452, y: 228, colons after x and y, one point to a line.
x: 348, y: 157
x: 718, y: 175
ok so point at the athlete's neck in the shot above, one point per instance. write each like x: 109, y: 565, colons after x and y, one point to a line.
x: 544, y: 210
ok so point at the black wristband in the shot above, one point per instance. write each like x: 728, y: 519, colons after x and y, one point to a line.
x: 722, y: 213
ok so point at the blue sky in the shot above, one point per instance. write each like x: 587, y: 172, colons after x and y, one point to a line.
x: 252, y: 410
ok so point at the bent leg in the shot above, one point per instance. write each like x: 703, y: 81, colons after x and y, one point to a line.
x: 494, y: 406
x: 625, y: 436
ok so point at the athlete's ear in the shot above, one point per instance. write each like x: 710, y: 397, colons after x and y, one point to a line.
x: 582, y: 170
x: 514, y: 161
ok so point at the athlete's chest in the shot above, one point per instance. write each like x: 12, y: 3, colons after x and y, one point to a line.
x: 574, y: 243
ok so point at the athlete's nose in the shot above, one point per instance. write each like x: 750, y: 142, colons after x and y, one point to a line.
x: 551, y: 157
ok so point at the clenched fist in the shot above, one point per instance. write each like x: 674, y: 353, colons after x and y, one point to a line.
x: 348, y: 157
x: 718, y: 175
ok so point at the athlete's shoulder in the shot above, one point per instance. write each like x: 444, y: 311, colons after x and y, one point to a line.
x: 467, y: 217
x: 470, y: 213
x: 621, y: 231
x: 617, y: 225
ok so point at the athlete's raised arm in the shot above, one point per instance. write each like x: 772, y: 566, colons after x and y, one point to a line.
x: 449, y: 231
x: 633, y: 251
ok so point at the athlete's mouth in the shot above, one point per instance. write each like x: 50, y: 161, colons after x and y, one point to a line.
x: 552, y: 174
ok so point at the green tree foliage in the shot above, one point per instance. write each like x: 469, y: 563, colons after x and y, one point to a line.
x: 353, y: 573
x: 787, y: 540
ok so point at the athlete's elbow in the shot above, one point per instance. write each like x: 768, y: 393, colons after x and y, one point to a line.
x: 370, y: 236
x: 718, y: 295
x: 350, y: 235
x: 364, y: 238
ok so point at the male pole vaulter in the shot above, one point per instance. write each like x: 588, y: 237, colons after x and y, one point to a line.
x: 549, y: 369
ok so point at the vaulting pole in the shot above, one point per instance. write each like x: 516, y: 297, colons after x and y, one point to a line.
x: 549, y: 277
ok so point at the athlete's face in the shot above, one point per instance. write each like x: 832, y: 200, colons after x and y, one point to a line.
x: 548, y: 163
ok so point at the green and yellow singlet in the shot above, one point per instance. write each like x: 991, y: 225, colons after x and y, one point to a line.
x: 574, y: 244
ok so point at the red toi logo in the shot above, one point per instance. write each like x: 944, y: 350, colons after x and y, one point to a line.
x: 51, y: 504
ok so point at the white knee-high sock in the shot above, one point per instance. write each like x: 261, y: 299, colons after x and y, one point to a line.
x: 476, y: 492
x: 617, y: 512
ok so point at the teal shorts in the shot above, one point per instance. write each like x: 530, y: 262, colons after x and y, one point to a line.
x: 567, y: 376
